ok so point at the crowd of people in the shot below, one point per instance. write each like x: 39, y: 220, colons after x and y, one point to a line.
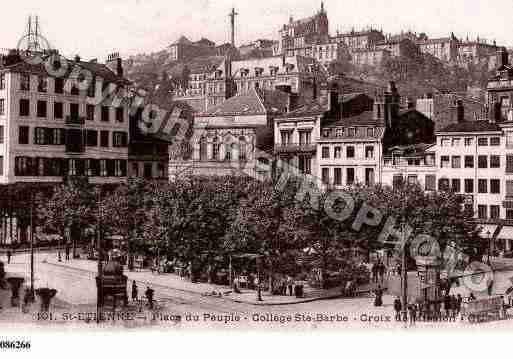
x: 448, y: 308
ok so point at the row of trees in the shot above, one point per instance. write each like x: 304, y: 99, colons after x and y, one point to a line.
x: 207, y: 222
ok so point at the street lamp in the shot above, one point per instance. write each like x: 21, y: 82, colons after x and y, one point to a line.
x: 489, y: 245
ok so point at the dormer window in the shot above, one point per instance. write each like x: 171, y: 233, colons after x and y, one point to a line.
x: 351, y: 132
x: 259, y: 71
x: 244, y: 72
x: 218, y: 74
x: 273, y: 70
x: 326, y: 133
x: 340, y: 132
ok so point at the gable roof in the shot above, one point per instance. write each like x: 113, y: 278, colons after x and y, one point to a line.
x: 472, y: 126
x: 251, y: 102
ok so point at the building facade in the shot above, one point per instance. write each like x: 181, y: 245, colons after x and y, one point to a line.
x: 51, y: 128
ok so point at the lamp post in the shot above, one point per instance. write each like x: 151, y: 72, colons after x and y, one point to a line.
x: 404, y: 275
x: 489, y: 245
x: 259, y: 285
x: 32, y: 297
x: 99, y: 292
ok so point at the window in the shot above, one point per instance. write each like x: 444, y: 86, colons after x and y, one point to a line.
x: 228, y: 152
x: 481, y: 211
x: 443, y: 184
x: 338, y: 152
x: 103, y: 167
x: 456, y: 141
x: 119, y: 168
x: 495, y: 161
x: 58, y: 112
x: 73, y: 110
x: 104, y: 138
x: 1, y: 165
x: 325, y: 175
x: 58, y: 136
x: 370, y: 132
x: 42, y: 83
x: 2, y: 106
x: 509, y: 188
x: 23, y: 135
x: 469, y: 141
x: 285, y: 137
x: 482, y: 186
x: 337, y: 176
x: 397, y: 181
x: 326, y: 133
x: 456, y: 162
x: 2, y: 134
x: 203, y: 148
x: 444, y: 161
x: 215, y: 149
x: 325, y: 152
x: 305, y: 164
x: 350, y: 177
x: 92, y: 138
x: 119, y: 139
x: 456, y: 185
x: 495, y: 141
x: 90, y: 112
x: 482, y: 161
x: 59, y: 85
x: 350, y: 152
x: 495, y: 186
x: 92, y: 88
x: 509, y: 163
x: 509, y: 214
x: 469, y: 161
x: 2, y: 81
x: 482, y: 141
x: 40, y: 136
x: 25, y: 82
x: 369, y: 177
x: 105, y: 114
x: 351, y: 131
x: 41, y: 109
x: 24, y: 107
x: 495, y: 212
x: 445, y: 142
x: 22, y: 166
x: 469, y: 185
x: 120, y: 116
x: 74, y: 90
x: 430, y: 183
x: 369, y: 152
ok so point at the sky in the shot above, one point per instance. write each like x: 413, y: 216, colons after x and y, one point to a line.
x: 95, y: 28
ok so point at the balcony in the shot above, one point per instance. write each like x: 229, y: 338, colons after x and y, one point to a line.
x: 295, y: 148
x: 74, y: 120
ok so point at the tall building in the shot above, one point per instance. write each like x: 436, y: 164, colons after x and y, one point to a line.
x: 184, y: 49
x: 298, y: 36
x: 444, y: 48
x: 359, y: 40
x: 53, y: 127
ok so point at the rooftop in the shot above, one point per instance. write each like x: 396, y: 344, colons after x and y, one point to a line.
x: 472, y: 126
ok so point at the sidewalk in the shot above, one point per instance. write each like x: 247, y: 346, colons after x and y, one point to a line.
x: 174, y: 282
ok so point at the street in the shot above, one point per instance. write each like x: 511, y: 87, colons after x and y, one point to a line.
x: 76, y: 296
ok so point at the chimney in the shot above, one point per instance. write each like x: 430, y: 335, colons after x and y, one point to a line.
x: 502, y: 57
x: 460, y: 111
x: 115, y: 64
x: 494, y: 113
x: 314, y: 89
x: 333, y: 104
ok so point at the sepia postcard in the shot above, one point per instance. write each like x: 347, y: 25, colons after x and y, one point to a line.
x: 293, y: 165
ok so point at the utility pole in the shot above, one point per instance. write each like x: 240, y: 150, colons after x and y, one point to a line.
x: 32, y: 298
x: 99, y: 291
x: 232, y: 20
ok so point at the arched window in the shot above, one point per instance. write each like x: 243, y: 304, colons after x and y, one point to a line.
x: 203, y: 148
x: 228, y: 151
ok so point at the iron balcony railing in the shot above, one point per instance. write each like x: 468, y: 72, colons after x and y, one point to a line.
x: 294, y: 147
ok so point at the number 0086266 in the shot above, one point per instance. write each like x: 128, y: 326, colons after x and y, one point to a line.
x: 14, y: 344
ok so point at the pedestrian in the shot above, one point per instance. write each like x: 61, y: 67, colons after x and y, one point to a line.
x: 459, y: 303
x: 454, y: 306
x: 397, y: 308
x: 381, y: 271
x: 471, y: 297
x: 149, y: 296
x: 447, y: 304
x: 412, y: 311
x: 399, y: 269
x: 134, y: 291
x: 67, y: 252
x: 378, y: 301
x: 374, y: 270
x: 9, y: 254
x: 490, y: 287
x: 290, y: 285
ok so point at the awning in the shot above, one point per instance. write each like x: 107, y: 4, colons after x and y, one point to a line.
x: 506, y: 233
x: 487, y: 228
